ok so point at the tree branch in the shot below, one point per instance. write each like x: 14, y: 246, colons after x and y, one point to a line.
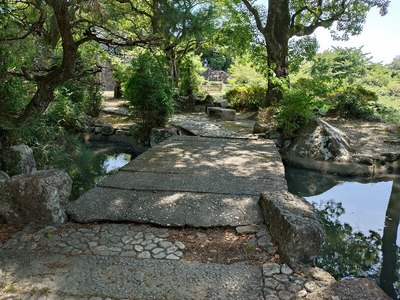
x: 256, y: 16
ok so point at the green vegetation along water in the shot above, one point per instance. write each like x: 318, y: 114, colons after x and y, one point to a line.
x: 361, y: 218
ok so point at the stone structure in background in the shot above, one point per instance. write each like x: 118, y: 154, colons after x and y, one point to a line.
x: 215, y: 75
x: 18, y: 159
x: 39, y: 197
x: 292, y: 222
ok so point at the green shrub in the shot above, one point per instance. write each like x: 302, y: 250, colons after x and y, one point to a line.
x: 149, y: 91
x: 190, y: 76
x: 355, y: 101
x: 295, y: 110
x: 246, y: 97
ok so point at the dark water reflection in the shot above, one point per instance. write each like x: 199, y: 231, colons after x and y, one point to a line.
x: 361, y: 218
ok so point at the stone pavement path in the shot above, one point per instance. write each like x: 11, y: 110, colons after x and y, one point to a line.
x: 188, y: 181
x: 110, y: 261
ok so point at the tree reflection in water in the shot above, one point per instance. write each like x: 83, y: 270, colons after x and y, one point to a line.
x: 349, y: 253
x: 390, y: 277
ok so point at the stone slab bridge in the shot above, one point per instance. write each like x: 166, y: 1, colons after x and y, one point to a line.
x: 188, y: 181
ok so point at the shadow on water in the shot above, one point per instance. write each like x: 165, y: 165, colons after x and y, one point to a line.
x: 361, y: 218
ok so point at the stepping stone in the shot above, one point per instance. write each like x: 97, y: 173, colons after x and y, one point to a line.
x: 225, y: 114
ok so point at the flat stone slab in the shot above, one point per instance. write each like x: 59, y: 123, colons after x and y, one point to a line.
x: 188, y: 181
x: 222, y: 113
x: 126, y: 278
x: 166, y: 208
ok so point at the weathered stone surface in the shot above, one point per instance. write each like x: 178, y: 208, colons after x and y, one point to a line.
x: 188, y: 181
x: 165, y: 208
x: 35, y: 197
x: 352, y: 289
x: 3, y: 176
x: 221, y: 113
x: 158, y: 135
x: 123, y: 277
x: 321, y: 141
x: 221, y: 103
x: 18, y: 160
x: 293, y: 224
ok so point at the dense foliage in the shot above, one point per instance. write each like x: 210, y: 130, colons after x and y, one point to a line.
x: 246, y: 97
x: 149, y: 91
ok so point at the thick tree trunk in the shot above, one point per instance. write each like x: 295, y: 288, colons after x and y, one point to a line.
x: 46, y: 84
x: 389, y: 271
x: 277, y: 35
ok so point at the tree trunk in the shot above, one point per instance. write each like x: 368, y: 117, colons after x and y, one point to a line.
x: 388, y: 275
x: 277, y: 35
x: 46, y: 84
x: 172, y: 64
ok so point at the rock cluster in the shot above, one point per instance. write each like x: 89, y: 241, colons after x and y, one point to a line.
x: 107, y: 240
x: 282, y: 283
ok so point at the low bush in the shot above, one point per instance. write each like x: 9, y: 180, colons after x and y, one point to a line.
x: 295, y: 110
x: 249, y: 98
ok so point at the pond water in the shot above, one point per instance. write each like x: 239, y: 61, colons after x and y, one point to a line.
x: 116, y: 161
x: 361, y: 218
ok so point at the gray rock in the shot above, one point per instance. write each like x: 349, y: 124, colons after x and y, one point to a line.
x: 157, y: 250
x: 172, y: 249
x: 139, y: 236
x: 221, y: 113
x: 293, y: 223
x: 160, y: 255
x: 352, y: 289
x: 172, y: 257
x: 144, y: 255
x: 165, y: 244
x: 36, y: 197
x: 127, y: 239
x: 302, y: 294
x: 310, y: 286
x: 158, y: 135
x: 285, y: 269
x: 180, y: 245
x: 321, y: 141
x: 247, y: 229
x: 3, y: 176
x: 18, y: 160
x: 138, y: 248
x: 271, y: 283
x: 150, y: 247
x: 270, y: 269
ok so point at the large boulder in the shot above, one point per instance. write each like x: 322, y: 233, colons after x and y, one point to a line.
x: 39, y: 197
x: 351, y: 289
x: 18, y: 159
x: 293, y: 223
x: 322, y: 142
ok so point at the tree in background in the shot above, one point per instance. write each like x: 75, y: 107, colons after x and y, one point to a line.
x: 282, y: 20
x: 149, y: 91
